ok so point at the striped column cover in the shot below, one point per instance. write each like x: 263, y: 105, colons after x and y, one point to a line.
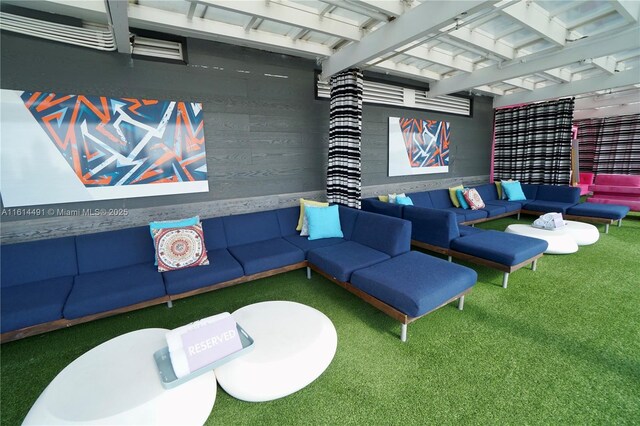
x: 612, y: 143
x: 345, y: 134
x: 533, y: 143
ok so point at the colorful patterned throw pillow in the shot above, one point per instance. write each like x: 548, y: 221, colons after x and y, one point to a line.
x: 473, y: 199
x: 178, y: 248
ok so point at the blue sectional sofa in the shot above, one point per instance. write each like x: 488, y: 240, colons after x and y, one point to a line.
x: 51, y: 284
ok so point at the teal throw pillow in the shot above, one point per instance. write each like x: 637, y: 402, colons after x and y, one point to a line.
x: 324, y: 222
x: 405, y: 201
x: 461, y: 200
x: 513, y: 191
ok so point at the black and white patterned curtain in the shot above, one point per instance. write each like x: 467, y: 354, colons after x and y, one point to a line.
x: 533, y: 143
x: 610, y: 144
x: 345, y: 134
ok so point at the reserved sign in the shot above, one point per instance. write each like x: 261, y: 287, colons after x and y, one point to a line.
x: 208, y: 343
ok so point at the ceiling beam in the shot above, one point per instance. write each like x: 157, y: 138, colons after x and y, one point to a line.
x: 408, y: 27
x: 393, y: 8
x: 358, y: 9
x: 586, y: 85
x: 119, y: 22
x: 403, y: 70
x: 606, y: 112
x: 630, y: 10
x: 620, y: 98
x: 577, y: 51
x: 438, y: 57
x: 278, y: 12
x: 154, y: 19
x: 482, y: 41
x: 606, y: 64
x: 536, y: 19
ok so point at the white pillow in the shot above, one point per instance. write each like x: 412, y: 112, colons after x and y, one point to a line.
x: 392, y: 197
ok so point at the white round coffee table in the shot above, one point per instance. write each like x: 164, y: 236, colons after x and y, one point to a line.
x: 560, y: 241
x: 117, y: 383
x: 294, y: 344
x: 584, y: 233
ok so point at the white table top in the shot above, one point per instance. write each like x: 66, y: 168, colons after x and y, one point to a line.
x: 294, y: 344
x: 559, y: 241
x: 117, y: 382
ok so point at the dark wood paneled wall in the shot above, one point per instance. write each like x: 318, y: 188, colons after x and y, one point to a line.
x: 266, y: 137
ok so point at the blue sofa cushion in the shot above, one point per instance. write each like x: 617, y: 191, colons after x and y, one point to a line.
x: 562, y: 194
x: 288, y: 220
x: 530, y: 190
x: 265, y: 255
x: 494, y: 209
x: 500, y: 247
x: 340, y: 260
x: 509, y: 206
x: 214, y: 235
x: 609, y: 211
x: 45, y: 259
x: 487, y: 191
x: 421, y: 199
x: 414, y: 283
x: 469, y: 214
x: 348, y: 218
x: 440, y: 199
x: 432, y: 226
x: 112, y: 289
x: 33, y: 303
x: 251, y: 227
x: 544, y: 206
x: 304, y: 244
x: 114, y: 249
x: 469, y: 230
x: 377, y: 206
x: 383, y: 233
x: 222, y: 267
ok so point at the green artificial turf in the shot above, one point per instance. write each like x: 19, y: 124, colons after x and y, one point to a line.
x: 560, y: 346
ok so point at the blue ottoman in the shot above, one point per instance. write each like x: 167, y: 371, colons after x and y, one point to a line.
x: 596, y: 212
x: 415, y: 284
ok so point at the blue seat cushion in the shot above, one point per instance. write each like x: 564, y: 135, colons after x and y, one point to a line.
x: 468, y: 230
x: 494, y: 209
x: 547, y: 206
x: 103, y: 291
x: 390, y: 235
x: 440, y: 199
x: 340, y: 260
x: 421, y: 199
x: 509, y: 206
x: 414, y: 283
x: 608, y: 211
x: 488, y: 192
x: 222, y: 267
x: 377, y: 206
x: 251, y: 227
x: 33, y: 303
x: 500, y: 247
x: 114, y: 249
x: 265, y: 255
x: 214, y: 235
x: 288, y: 220
x: 305, y: 244
x: 38, y: 261
x: 469, y: 214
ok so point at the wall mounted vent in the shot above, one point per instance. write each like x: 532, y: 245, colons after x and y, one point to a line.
x: 161, y: 49
x: 391, y: 94
x: 91, y: 35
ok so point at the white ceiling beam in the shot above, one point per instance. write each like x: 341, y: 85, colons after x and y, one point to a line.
x: 438, y: 57
x: 536, y: 19
x: 393, y: 8
x: 521, y: 83
x: 403, y: 70
x: 421, y: 21
x: 249, y: 25
x: 596, y: 101
x: 587, y: 18
x: 606, y: 112
x: 607, y: 64
x: 283, y: 14
x: 586, y: 85
x: 559, y: 73
x: 488, y: 90
x: 154, y: 19
x: 119, y: 21
x: 577, y: 51
x: 482, y: 41
x: 358, y: 9
x: 630, y: 10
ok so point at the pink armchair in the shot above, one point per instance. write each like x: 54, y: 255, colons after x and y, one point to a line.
x: 586, y: 179
x: 617, y: 189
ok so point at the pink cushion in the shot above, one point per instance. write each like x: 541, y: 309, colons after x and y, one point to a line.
x: 586, y: 178
x: 618, y: 180
x: 616, y: 189
x: 473, y: 199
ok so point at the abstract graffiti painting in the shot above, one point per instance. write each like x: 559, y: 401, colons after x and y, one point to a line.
x: 58, y: 148
x: 418, y: 146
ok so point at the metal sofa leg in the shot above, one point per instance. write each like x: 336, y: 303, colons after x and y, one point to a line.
x: 534, y: 265
x: 403, y: 333
x: 449, y: 259
x: 518, y: 215
x: 461, y: 303
x: 170, y: 303
x: 619, y: 223
x: 308, y: 273
x: 505, y: 280
x: 606, y: 228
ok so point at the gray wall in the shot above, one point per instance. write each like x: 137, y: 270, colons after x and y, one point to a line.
x: 264, y: 136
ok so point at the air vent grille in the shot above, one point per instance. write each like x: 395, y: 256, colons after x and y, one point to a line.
x: 389, y: 94
x: 157, y: 48
x: 93, y: 36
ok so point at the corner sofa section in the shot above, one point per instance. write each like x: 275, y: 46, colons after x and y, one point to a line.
x: 52, y: 284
